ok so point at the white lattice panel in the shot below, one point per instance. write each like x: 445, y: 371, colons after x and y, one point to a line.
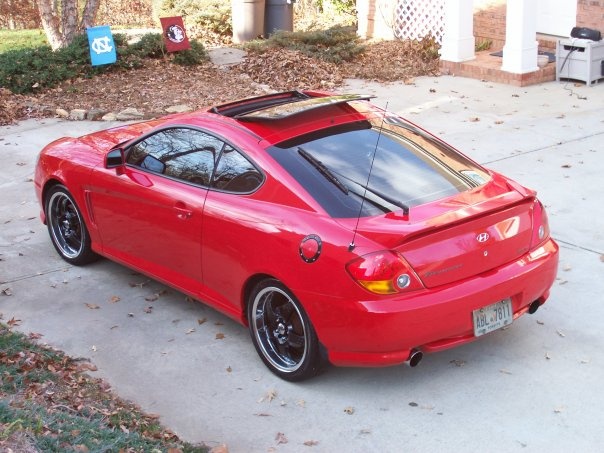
x: 415, y: 19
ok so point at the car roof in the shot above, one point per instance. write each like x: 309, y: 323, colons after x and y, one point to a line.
x: 281, y: 116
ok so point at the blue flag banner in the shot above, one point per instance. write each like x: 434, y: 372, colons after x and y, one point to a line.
x: 102, y: 47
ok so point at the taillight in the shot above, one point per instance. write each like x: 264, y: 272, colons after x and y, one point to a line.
x: 540, y: 224
x: 384, y: 272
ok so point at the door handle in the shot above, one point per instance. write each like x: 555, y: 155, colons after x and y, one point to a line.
x: 182, y: 212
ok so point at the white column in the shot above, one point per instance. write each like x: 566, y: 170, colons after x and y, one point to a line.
x: 458, y: 37
x: 521, y: 48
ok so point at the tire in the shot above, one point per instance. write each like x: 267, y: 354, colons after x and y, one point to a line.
x: 282, y: 333
x: 66, y: 227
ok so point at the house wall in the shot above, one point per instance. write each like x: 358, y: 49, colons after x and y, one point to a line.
x: 489, y: 21
x: 590, y: 14
x: 375, y: 19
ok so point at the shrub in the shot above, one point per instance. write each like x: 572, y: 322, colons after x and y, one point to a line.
x: 336, y: 44
x: 28, y: 70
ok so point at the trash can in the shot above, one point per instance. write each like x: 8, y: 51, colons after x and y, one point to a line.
x: 279, y: 15
x: 248, y: 19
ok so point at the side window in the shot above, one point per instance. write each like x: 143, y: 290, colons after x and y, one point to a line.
x: 234, y: 173
x: 181, y: 153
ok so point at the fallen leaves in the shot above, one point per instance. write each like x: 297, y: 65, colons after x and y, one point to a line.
x: 311, y: 443
x: 349, y: 410
x: 269, y: 396
x: 92, y: 306
x: 219, y: 336
x: 114, y: 299
x: 6, y: 292
x: 281, y: 439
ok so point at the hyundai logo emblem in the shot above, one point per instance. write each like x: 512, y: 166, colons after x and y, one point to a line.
x: 482, y: 237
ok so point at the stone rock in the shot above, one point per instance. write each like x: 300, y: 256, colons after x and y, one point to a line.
x: 180, y: 108
x: 95, y: 114
x: 62, y: 113
x: 77, y: 114
x: 224, y: 56
x: 130, y: 114
x: 109, y: 117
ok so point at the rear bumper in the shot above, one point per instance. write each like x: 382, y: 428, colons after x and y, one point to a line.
x: 384, y: 331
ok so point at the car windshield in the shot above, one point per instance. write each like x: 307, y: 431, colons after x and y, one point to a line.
x: 408, y: 167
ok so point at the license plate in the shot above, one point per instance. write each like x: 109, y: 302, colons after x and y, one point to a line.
x: 492, y: 317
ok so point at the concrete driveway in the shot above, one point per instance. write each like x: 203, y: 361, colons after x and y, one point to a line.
x: 534, y: 387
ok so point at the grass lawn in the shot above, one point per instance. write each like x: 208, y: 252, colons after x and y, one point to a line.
x: 21, y: 39
x: 48, y: 403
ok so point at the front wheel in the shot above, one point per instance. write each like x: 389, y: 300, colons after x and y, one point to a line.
x: 66, y: 227
x: 282, y: 333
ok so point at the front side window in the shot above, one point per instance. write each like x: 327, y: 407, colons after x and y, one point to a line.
x: 181, y: 153
x: 195, y: 157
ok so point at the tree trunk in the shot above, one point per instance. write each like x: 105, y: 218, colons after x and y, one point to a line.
x: 91, y: 8
x: 69, y: 20
x: 62, y: 29
x: 51, y: 23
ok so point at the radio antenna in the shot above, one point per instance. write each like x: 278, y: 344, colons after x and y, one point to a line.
x: 352, y: 245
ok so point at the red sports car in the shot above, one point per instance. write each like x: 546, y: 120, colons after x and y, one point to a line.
x: 335, y: 230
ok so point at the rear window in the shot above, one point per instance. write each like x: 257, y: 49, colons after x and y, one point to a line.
x: 356, y: 170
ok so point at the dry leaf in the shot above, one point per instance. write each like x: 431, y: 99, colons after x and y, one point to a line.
x: 149, y: 309
x: 458, y: 362
x: 114, y: 299
x: 301, y: 403
x: 152, y: 297
x: 349, y: 410
x: 35, y: 336
x: 229, y: 369
x: 560, y: 334
x: 13, y: 322
x: 505, y: 371
x: 93, y: 348
x: 86, y: 366
x: 558, y: 410
x: 269, y: 396
x: 540, y: 322
x: 92, y: 306
x: 602, y: 258
x: 566, y: 166
x: 547, y: 356
x: 474, y: 119
x: 219, y: 336
x: 311, y: 443
x: 190, y: 331
x: 131, y: 315
x: 498, y: 122
x: 200, y: 321
x: 281, y: 439
x: 7, y: 292
x: 262, y: 414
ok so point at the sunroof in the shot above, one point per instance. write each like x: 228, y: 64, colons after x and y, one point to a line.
x: 286, y: 110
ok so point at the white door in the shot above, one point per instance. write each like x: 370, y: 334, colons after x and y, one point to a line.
x: 556, y: 17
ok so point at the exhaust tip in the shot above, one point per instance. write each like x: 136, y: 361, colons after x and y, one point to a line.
x: 414, y: 358
x: 534, y: 306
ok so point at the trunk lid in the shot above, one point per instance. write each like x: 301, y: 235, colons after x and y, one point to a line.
x: 460, y: 236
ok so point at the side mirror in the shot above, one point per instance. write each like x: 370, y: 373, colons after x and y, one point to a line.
x: 114, y: 158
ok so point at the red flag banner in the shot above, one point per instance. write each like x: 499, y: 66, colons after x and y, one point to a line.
x: 174, y: 33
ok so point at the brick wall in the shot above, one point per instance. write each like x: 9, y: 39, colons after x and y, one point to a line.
x: 590, y: 14
x: 489, y: 21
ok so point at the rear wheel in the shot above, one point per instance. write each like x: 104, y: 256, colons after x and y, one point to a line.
x: 282, y: 333
x: 66, y: 227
